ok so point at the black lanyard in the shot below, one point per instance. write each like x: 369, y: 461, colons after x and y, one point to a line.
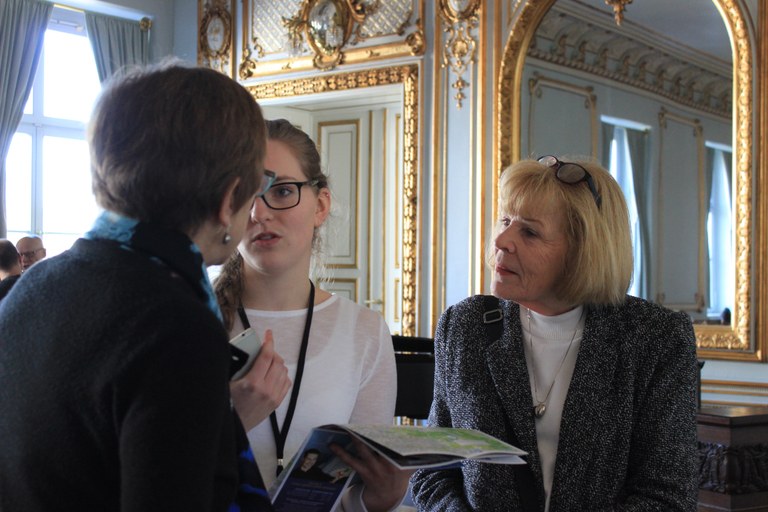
x: 281, y: 435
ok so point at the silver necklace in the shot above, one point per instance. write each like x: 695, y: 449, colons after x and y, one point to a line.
x: 541, y: 405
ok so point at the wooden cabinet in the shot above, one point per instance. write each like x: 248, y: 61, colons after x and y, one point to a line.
x: 733, y: 456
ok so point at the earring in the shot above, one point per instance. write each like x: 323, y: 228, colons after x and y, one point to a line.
x: 227, y: 237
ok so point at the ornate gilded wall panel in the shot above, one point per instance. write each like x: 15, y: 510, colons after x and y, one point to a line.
x: 216, y: 38
x: 302, y: 35
x: 265, y: 18
x: 390, y: 18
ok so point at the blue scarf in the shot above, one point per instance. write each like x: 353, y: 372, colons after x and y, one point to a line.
x: 164, y: 246
x: 176, y: 251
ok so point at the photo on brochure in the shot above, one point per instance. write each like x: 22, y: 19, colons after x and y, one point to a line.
x: 316, y: 478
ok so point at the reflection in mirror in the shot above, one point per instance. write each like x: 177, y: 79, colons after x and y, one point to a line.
x: 365, y: 124
x: 657, y: 111
x: 652, y: 105
x: 326, y: 26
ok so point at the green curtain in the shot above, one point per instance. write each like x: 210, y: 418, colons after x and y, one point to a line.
x: 117, y: 43
x: 22, y: 30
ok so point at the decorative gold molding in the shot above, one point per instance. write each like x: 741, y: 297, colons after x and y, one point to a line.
x: 733, y: 342
x: 460, y: 50
x: 737, y: 342
x: 618, y: 9
x: 351, y: 49
x: 216, y: 40
x: 761, y: 213
x: 616, y: 54
x: 756, y: 391
x: 327, y: 26
x: 408, y: 76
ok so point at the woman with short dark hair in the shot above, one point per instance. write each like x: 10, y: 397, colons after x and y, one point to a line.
x: 114, y: 363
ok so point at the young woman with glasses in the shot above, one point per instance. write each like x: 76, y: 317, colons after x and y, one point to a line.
x: 597, y: 386
x: 339, y: 354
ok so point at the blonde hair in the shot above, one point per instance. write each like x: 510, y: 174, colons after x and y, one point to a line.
x: 599, y: 258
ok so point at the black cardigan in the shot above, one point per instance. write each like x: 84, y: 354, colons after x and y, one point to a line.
x: 113, y: 389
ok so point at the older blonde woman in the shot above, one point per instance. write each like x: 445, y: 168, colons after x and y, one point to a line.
x: 597, y: 386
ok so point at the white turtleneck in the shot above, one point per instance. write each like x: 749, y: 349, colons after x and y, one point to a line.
x: 552, y: 336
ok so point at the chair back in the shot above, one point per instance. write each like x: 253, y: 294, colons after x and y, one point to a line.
x: 415, y: 359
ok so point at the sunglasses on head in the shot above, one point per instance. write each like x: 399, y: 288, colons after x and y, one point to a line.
x: 571, y: 173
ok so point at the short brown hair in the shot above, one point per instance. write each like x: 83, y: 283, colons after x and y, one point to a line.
x: 599, y: 260
x: 166, y: 141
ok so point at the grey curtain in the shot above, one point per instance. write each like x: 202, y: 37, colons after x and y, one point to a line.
x: 117, y: 43
x: 637, y: 140
x: 709, y: 171
x: 22, y: 29
x: 608, y: 135
x: 728, y: 159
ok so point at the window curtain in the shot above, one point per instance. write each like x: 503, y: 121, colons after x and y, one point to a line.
x: 117, y: 43
x: 709, y: 170
x: 637, y: 146
x: 22, y: 31
x: 637, y: 142
x: 728, y: 161
x: 718, y: 176
x: 608, y: 136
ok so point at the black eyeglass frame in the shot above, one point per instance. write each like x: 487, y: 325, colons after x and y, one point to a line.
x: 299, y: 185
x: 270, y: 176
x: 554, y: 163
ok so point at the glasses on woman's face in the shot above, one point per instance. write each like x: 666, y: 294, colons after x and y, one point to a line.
x: 267, y: 179
x: 286, y: 194
x: 571, y: 173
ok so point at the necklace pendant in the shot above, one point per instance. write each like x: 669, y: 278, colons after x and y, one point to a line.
x: 539, y: 410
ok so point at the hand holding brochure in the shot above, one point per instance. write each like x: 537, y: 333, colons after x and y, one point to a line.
x: 315, y: 479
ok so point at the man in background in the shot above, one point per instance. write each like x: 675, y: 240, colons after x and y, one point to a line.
x: 10, y: 267
x: 31, y: 250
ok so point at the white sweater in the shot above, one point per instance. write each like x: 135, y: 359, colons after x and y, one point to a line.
x: 349, y: 374
x: 552, y: 336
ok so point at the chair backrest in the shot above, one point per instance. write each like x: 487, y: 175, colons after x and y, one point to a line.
x: 415, y: 359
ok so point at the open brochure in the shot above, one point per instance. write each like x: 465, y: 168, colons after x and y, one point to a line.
x: 315, y: 479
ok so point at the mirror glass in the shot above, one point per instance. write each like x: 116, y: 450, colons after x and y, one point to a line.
x: 652, y: 99
x: 326, y: 25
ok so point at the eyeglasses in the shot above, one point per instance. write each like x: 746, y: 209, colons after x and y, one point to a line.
x: 285, y: 195
x: 31, y: 254
x: 267, y: 179
x: 571, y: 173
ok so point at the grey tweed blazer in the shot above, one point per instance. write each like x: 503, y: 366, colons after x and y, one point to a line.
x: 628, y: 431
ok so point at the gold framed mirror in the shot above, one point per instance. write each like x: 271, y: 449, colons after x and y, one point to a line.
x: 739, y: 340
x: 407, y: 76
